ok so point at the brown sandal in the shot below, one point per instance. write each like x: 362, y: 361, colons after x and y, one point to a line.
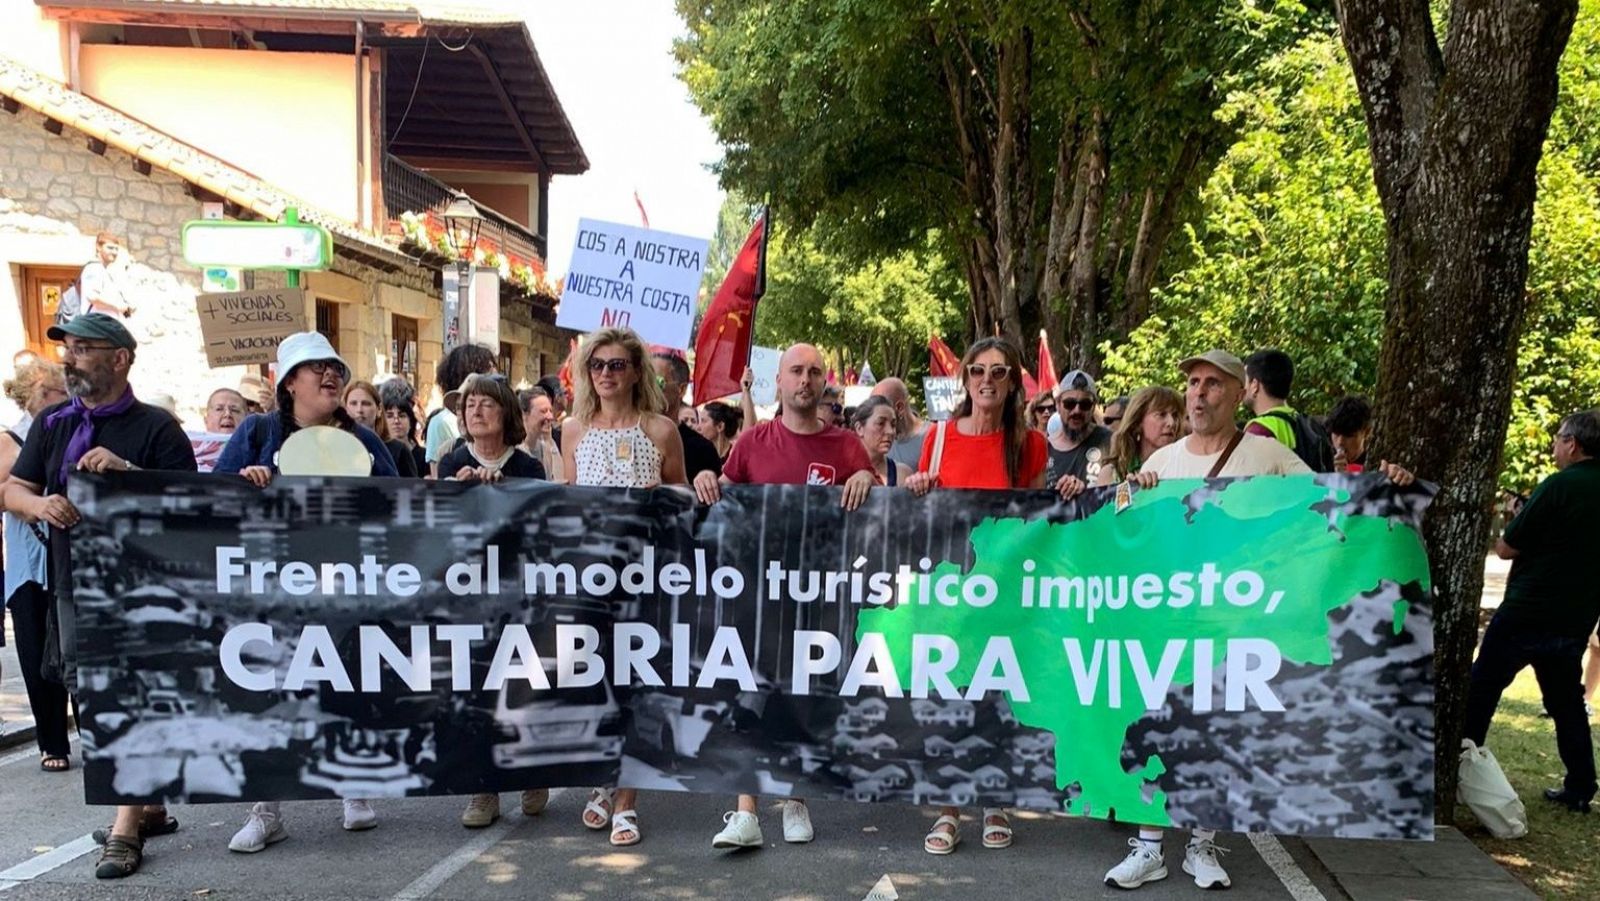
x: 121, y: 857
x: 151, y: 825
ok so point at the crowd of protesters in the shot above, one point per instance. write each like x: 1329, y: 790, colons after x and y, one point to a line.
x: 620, y: 420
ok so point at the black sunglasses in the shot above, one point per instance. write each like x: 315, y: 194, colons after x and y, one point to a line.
x: 1083, y: 404
x: 838, y: 409
x: 616, y: 365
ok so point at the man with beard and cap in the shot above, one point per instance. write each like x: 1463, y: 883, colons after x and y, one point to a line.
x: 1081, y: 444
x: 103, y: 428
x: 909, y: 428
x: 794, y: 449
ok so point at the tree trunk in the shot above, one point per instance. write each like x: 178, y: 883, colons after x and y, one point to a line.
x: 1456, y: 139
x: 1013, y: 188
x: 1159, y: 215
x: 1066, y: 212
x: 1083, y: 288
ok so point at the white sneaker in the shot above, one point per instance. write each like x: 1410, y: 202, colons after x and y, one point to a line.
x: 1143, y: 864
x: 1200, y: 861
x: 358, y: 815
x: 743, y: 830
x: 797, y: 822
x: 263, y: 827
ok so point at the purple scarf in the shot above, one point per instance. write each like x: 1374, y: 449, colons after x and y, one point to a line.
x: 83, y: 436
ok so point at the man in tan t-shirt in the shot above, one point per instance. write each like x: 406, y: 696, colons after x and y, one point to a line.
x: 1214, y: 390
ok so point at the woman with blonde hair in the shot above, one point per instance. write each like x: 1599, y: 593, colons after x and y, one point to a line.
x: 618, y: 437
x: 1152, y: 420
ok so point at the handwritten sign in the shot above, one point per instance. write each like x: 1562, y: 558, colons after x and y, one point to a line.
x: 764, y: 362
x: 630, y: 277
x: 246, y: 326
x: 941, y: 394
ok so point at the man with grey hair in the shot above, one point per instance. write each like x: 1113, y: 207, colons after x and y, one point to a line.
x: 1551, y: 606
x: 909, y: 428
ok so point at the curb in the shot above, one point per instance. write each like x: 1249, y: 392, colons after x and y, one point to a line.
x: 20, y: 736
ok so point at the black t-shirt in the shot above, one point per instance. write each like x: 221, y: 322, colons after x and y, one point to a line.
x: 521, y: 465
x: 1080, y: 460
x: 699, y: 454
x: 1552, y: 585
x: 146, y: 436
x: 405, y: 463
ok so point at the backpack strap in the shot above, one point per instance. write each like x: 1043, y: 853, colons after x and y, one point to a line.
x: 1227, y: 452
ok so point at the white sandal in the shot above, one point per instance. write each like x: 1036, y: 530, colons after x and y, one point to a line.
x: 599, y: 805
x: 996, y: 835
x: 625, y: 821
x: 950, y: 839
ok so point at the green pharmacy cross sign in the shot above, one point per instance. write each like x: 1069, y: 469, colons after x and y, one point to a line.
x: 289, y: 245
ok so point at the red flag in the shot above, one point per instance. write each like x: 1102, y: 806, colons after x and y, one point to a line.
x: 722, y: 346
x: 1047, y: 366
x: 941, y: 359
x: 1029, y: 386
x: 643, y: 216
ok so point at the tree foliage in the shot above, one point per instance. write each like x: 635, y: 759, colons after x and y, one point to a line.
x: 1289, y: 249
x: 1053, y: 147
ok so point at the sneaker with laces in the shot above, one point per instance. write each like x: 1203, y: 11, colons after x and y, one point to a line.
x: 262, y: 828
x: 1200, y: 861
x: 797, y: 822
x: 482, y: 810
x: 743, y: 830
x: 358, y: 815
x: 1143, y: 864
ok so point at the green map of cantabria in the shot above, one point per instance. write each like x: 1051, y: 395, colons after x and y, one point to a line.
x: 1084, y: 677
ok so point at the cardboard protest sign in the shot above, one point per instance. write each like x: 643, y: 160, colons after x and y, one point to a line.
x: 246, y: 326
x: 941, y: 394
x: 635, y: 278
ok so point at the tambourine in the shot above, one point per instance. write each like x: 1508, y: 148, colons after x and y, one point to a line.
x: 322, y: 450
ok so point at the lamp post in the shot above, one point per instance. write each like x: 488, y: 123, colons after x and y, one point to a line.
x: 462, y: 222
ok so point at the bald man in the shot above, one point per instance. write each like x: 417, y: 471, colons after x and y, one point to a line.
x: 794, y: 449
x: 908, y: 426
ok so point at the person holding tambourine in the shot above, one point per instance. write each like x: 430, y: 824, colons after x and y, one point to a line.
x: 310, y: 393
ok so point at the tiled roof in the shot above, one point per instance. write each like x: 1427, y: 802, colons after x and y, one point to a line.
x: 81, y: 113
x: 460, y: 12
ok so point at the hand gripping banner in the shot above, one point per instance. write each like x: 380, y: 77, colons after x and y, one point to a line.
x: 1241, y: 654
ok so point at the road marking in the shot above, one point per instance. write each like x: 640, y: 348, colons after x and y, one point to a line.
x: 38, y: 866
x: 883, y: 891
x: 1289, y: 873
x: 441, y: 872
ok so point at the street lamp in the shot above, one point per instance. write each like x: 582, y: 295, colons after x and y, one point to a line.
x: 462, y: 222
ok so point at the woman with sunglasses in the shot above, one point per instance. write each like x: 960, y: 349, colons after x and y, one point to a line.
x: 985, y: 444
x: 1040, y: 409
x: 310, y: 391
x: 618, y: 437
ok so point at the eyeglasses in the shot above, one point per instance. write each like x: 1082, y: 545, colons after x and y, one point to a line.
x: 1082, y: 404
x: 614, y: 365
x: 323, y: 367
x: 83, y: 350
x: 999, y: 372
x: 838, y: 409
x: 1109, y: 421
x: 1043, y: 410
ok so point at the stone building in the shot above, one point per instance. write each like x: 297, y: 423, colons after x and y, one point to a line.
x: 137, y: 116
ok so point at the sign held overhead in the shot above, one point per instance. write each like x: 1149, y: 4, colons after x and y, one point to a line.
x: 628, y: 277
x: 246, y: 326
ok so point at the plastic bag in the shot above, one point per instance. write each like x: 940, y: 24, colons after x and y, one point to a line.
x: 1483, y: 787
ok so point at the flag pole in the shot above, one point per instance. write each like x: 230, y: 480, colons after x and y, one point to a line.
x: 761, y: 278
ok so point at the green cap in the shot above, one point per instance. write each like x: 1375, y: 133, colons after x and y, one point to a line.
x: 94, y: 325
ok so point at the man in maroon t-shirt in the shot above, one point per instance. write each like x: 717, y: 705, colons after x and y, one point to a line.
x: 794, y: 449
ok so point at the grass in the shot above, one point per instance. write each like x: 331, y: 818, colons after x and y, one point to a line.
x: 1560, y: 855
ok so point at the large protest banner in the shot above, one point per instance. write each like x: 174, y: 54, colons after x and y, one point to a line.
x: 1236, y: 654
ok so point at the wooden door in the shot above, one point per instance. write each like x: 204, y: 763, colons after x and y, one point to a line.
x: 42, y: 287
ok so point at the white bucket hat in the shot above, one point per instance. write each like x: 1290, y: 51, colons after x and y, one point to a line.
x: 306, y: 347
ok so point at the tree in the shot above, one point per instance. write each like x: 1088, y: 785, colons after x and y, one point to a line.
x: 1052, y: 146
x: 1456, y: 133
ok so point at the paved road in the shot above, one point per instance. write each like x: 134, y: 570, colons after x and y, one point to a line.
x: 419, y: 851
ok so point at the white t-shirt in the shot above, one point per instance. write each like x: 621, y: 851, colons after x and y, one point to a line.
x: 1255, y: 456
